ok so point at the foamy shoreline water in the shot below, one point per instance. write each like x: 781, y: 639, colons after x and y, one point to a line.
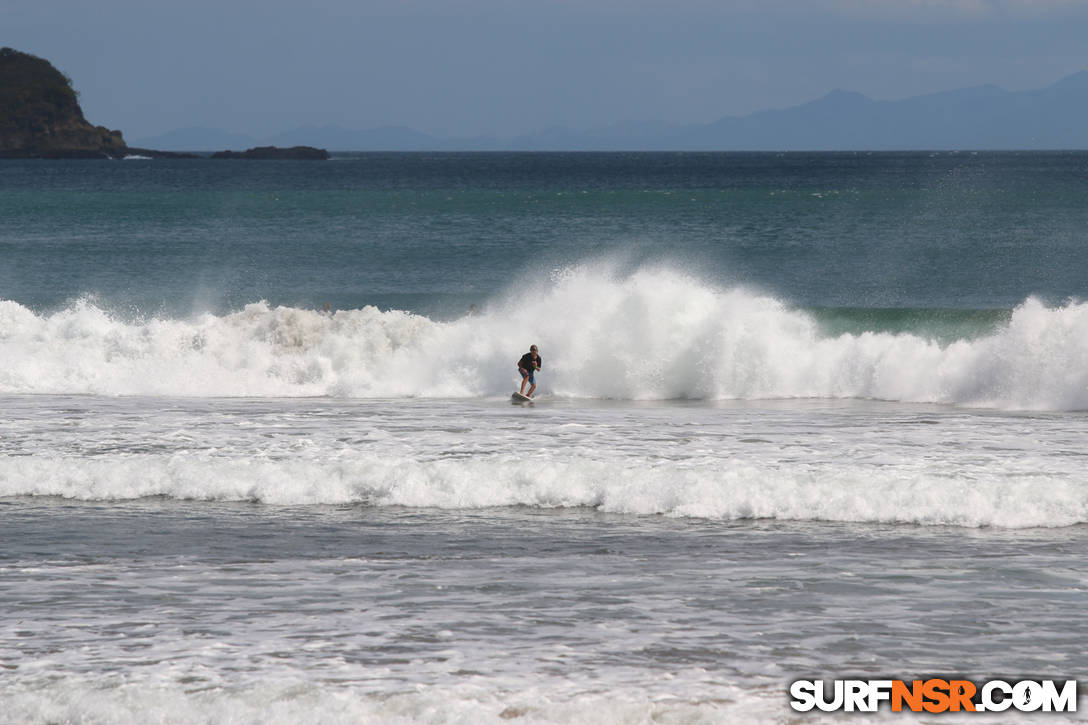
x: 860, y: 461
x: 183, y: 611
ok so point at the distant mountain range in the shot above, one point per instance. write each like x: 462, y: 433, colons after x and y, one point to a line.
x: 983, y: 117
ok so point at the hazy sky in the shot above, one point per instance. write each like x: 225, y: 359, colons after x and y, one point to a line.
x: 506, y: 67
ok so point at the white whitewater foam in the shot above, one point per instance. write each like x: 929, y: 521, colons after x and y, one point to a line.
x: 723, y: 489
x: 298, y: 700
x: 653, y: 334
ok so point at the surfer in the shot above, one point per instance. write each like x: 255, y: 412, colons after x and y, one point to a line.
x: 528, y: 365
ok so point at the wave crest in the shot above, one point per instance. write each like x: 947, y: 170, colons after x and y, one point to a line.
x: 651, y: 334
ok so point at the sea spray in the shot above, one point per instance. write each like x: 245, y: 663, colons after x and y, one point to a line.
x: 651, y: 334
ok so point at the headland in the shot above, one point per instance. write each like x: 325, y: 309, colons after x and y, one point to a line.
x: 40, y: 118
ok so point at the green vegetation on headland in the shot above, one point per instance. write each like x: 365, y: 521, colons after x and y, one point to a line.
x: 40, y: 118
x: 40, y: 115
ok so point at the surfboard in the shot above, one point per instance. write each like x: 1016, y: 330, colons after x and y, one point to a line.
x: 519, y: 398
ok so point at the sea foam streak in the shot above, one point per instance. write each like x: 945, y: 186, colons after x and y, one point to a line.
x: 725, y: 489
x: 652, y: 334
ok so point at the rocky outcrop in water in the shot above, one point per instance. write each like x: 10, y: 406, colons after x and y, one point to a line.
x: 294, y: 153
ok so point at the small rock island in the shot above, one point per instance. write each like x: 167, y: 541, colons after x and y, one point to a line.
x: 294, y: 153
x: 40, y: 118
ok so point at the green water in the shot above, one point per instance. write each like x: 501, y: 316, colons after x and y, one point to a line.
x: 869, y: 240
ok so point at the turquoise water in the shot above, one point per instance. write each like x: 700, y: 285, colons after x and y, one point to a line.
x: 436, y: 233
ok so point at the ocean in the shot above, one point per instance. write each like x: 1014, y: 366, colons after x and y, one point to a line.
x: 800, y: 416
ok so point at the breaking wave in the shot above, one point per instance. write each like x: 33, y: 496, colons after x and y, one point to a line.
x: 726, y: 490
x: 651, y: 334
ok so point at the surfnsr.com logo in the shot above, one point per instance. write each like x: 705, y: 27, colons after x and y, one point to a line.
x: 934, y: 695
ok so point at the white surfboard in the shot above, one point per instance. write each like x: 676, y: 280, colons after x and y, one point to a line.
x: 519, y: 398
